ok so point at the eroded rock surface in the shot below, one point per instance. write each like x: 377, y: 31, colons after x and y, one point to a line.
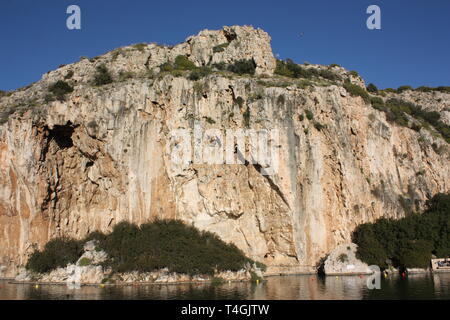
x: 103, y: 156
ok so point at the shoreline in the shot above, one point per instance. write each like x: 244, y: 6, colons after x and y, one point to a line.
x: 12, y: 280
x: 138, y: 283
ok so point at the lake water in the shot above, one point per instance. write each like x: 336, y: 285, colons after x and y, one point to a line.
x: 299, y: 287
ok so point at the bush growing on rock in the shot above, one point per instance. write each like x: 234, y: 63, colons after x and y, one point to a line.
x: 356, y: 90
x: 372, y: 88
x: 102, y: 76
x: 397, y: 109
x: 59, y: 89
x: 84, y: 262
x: 56, y: 253
x: 183, y: 63
x: 171, y: 244
x: 289, y: 68
x: 243, y: 67
x: 161, y: 244
x: 408, y: 242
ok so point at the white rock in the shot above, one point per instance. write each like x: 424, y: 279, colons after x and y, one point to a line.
x: 23, y: 275
x: 342, y: 260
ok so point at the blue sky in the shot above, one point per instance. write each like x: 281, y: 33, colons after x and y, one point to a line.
x: 412, y: 47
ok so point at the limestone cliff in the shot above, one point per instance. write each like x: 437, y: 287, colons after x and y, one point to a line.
x: 102, y: 155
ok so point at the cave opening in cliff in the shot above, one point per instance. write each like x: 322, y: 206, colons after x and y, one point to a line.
x: 62, y: 135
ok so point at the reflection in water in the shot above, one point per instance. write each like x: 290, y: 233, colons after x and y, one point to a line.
x: 302, y: 287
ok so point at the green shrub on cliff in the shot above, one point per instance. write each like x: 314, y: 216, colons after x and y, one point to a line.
x: 356, y: 90
x: 56, y: 253
x: 397, y: 109
x: 59, y: 89
x: 243, y: 67
x: 183, y: 63
x: 372, y: 88
x: 408, y: 242
x: 102, y: 76
x: 289, y: 68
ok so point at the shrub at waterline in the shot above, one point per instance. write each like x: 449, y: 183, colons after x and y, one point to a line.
x: 57, y: 253
x: 161, y: 244
x: 408, y: 242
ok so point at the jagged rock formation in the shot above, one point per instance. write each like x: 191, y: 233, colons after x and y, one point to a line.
x: 103, y: 155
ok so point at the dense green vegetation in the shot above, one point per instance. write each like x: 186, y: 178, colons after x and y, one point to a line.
x: 160, y: 244
x: 408, y: 242
x: 243, y: 67
x: 102, y: 76
x: 289, y: 68
x: 397, y: 109
x: 59, y: 89
x: 356, y: 90
x: 56, y: 253
x: 183, y: 64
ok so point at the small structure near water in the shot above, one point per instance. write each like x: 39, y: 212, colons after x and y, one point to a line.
x: 440, y: 265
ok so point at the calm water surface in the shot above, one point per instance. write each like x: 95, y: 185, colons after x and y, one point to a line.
x: 303, y: 287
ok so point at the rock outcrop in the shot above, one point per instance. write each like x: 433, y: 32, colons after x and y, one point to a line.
x: 342, y: 261
x: 106, y: 155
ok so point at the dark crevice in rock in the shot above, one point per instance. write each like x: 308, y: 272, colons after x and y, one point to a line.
x: 272, y: 184
x: 62, y: 135
x: 147, y: 62
x: 230, y: 35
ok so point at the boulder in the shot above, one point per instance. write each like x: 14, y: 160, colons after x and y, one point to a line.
x: 23, y: 275
x: 342, y: 260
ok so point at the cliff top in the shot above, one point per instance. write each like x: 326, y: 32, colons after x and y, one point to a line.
x: 233, y: 48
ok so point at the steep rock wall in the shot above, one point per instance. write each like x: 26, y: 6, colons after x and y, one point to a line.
x: 105, y: 155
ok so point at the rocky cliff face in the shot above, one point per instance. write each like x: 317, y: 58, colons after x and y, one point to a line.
x: 106, y: 155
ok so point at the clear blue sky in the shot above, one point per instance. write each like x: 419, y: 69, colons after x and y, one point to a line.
x: 412, y: 47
